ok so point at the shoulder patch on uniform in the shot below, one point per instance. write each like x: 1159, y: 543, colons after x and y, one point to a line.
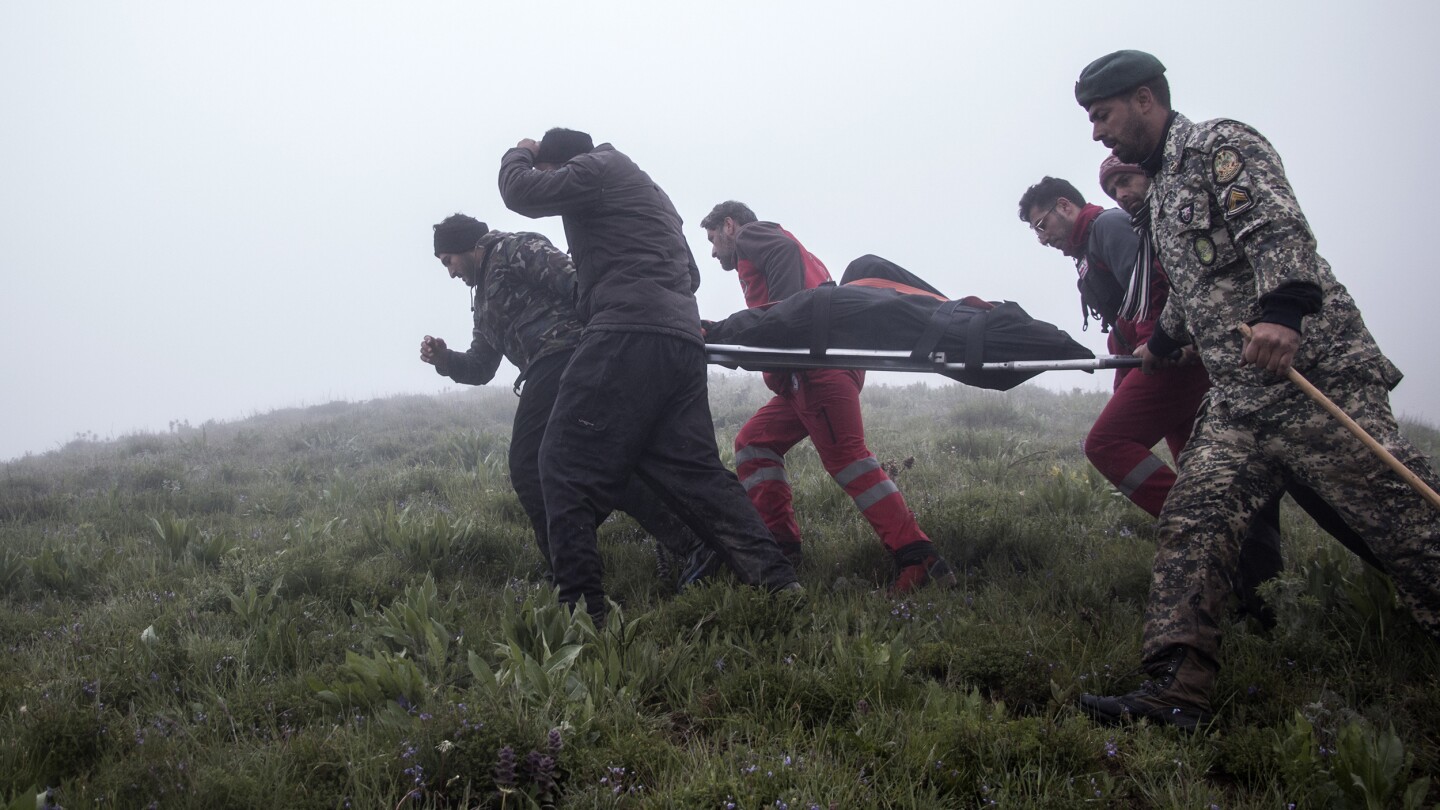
x: 1205, y: 250
x: 1227, y: 164
x: 1237, y: 201
x: 1186, y: 214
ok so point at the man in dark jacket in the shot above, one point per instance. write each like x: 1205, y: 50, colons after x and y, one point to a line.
x: 634, y: 399
x: 523, y: 297
x: 823, y: 404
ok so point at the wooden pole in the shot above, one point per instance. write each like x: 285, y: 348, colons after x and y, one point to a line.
x: 1375, y: 447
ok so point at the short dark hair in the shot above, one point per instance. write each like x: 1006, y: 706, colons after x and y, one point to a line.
x: 1159, y: 88
x: 560, y: 144
x: 738, y: 211
x: 458, y: 233
x: 1046, y: 193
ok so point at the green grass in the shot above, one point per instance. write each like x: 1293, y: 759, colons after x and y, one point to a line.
x: 338, y: 607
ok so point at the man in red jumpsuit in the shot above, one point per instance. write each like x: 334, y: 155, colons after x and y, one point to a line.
x: 823, y: 404
x: 1124, y: 287
x: 1127, y: 302
x: 1125, y: 290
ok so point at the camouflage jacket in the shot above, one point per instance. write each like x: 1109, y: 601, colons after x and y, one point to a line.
x: 1229, y: 232
x: 524, y: 307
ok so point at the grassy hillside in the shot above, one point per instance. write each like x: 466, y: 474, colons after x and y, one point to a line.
x: 338, y: 607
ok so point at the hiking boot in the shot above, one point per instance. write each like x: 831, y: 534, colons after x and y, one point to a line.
x: 701, y: 565
x: 793, y: 551
x: 1177, y: 695
x: 918, y: 565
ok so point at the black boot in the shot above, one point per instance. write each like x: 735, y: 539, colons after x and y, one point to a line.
x: 1178, y: 694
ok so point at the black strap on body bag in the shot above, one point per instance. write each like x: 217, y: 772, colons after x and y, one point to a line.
x: 820, y: 319
x: 930, y: 338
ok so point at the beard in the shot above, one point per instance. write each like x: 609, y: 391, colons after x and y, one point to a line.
x: 1131, y: 146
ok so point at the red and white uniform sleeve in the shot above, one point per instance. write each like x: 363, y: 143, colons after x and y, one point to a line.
x: 773, y: 265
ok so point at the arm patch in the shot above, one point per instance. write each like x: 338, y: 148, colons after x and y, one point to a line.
x: 1237, y: 201
x: 1227, y: 165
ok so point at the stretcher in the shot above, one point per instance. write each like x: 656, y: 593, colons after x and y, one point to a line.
x: 760, y: 358
x: 882, y: 317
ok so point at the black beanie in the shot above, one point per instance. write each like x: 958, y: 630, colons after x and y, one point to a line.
x: 559, y: 145
x: 458, y: 234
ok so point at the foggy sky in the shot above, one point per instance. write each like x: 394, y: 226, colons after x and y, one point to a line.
x: 209, y: 211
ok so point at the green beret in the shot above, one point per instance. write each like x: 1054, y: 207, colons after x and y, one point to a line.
x: 1113, y: 74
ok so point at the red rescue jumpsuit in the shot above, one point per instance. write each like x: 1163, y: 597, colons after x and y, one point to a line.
x: 1144, y: 409
x: 822, y: 404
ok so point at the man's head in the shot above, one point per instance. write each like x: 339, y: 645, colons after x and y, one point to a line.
x: 1051, y: 207
x: 455, y: 239
x: 559, y: 145
x: 1127, y: 98
x: 720, y: 225
x: 1126, y: 183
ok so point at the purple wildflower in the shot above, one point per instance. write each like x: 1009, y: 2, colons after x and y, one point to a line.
x: 505, y: 768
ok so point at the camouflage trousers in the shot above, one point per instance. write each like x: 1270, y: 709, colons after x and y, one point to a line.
x: 1233, y: 465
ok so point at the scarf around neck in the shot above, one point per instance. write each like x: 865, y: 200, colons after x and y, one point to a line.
x: 1136, y: 306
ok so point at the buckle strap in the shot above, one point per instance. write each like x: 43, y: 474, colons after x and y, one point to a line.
x: 820, y: 319
x: 975, y: 341
x: 930, y: 338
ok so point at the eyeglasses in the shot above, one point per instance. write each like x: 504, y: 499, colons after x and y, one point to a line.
x: 1038, y: 226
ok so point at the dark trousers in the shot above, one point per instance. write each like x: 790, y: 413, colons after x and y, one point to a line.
x: 537, y: 399
x: 1147, y: 408
x: 637, y: 404
x: 1234, y: 464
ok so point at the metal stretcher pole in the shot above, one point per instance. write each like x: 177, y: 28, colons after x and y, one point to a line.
x: 876, y: 360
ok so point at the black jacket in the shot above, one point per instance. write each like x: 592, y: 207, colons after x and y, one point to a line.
x: 633, y: 265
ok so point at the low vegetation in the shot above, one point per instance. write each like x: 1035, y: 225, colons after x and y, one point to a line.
x: 339, y: 607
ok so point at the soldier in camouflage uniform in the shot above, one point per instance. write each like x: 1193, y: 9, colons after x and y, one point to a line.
x: 1227, y: 228
x: 523, y: 294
